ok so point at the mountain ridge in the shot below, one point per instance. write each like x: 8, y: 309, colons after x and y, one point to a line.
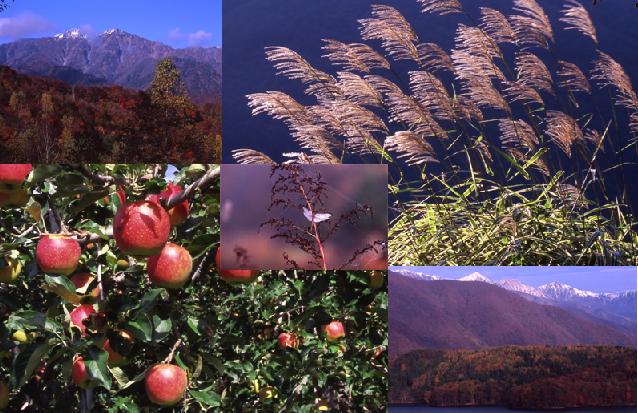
x: 115, y: 57
x: 472, y: 315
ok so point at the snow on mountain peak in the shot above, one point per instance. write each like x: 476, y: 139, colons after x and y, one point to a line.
x: 562, y: 291
x: 73, y: 33
x: 516, y: 285
x: 113, y: 31
x: 415, y: 275
x: 476, y: 276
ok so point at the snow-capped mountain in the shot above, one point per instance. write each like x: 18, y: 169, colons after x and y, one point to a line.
x: 416, y: 275
x: 617, y: 308
x: 476, y: 276
x: 115, y: 57
x: 519, y: 287
x: 559, y: 291
x: 74, y: 33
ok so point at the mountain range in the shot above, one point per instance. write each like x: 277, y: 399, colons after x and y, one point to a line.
x: 616, y: 308
x: 115, y: 57
x: 472, y: 314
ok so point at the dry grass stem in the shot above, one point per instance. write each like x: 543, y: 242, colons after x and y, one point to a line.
x: 576, y: 17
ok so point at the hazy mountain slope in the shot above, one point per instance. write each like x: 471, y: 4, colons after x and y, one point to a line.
x: 456, y: 314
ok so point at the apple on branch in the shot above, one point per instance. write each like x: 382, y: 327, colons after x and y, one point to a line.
x: 165, y: 384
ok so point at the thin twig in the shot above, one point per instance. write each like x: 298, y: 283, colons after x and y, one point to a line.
x: 203, y: 266
x: 170, y: 356
x: 205, y: 181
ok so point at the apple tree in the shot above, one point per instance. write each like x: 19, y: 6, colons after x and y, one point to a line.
x: 111, y: 300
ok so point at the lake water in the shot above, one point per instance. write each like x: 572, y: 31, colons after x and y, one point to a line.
x: 489, y: 409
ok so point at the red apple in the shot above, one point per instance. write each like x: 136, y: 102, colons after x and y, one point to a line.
x: 122, y: 341
x: 4, y: 395
x: 237, y: 276
x: 376, y: 279
x: 166, y: 384
x: 334, y: 331
x: 141, y: 228
x: 57, y: 254
x: 171, y: 268
x: 179, y: 212
x: 288, y: 340
x: 82, y: 281
x: 79, y: 374
x: 81, y: 313
x: 13, y: 175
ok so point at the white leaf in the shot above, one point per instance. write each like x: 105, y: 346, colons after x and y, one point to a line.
x: 316, y: 218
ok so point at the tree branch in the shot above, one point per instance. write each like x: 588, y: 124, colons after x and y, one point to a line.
x: 170, y: 356
x: 98, y: 178
x: 204, y: 264
x: 205, y: 181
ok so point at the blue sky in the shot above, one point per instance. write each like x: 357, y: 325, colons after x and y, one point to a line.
x: 179, y: 24
x: 597, y: 279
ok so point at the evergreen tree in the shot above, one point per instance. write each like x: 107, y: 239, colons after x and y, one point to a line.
x: 167, y: 88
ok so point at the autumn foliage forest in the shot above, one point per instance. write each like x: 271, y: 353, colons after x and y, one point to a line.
x: 520, y: 377
x: 49, y: 121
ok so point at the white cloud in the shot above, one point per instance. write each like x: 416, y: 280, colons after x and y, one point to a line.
x: 176, y: 34
x: 24, y: 25
x: 199, y: 38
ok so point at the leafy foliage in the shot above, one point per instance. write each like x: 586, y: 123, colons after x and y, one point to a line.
x: 223, y: 335
x: 46, y: 120
x: 529, y: 377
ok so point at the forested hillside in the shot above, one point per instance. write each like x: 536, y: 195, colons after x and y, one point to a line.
x: 529, y: 377
x: 49, y: 121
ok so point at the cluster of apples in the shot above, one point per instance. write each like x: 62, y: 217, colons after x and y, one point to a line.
x: 140, y: 229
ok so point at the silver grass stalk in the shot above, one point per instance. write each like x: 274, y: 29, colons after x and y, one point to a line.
x: 532, y: 26
x: 441, y: 7
x: 609, y: 72
x: 533, y: 73
x: 411, y: 146
x: 434, y: 58
x: 431, y: 92
x: 576, y: 17
x: 518, y: 92
x: 406, y: 109
x: 517, y: 134
x: 563, y: 130
x: 357, y: 57
x: 574, y: 80
x: 357, y: 90
x: 290, y: 64
x: 250, y: 156
x: 282, y: 107
x: 496, y: 25
x: 397, y: 36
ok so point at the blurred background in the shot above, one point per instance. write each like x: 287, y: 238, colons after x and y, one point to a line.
x: 246, y: 196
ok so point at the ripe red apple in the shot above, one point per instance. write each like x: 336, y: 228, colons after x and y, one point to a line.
x: 4, y: 395
x: 81, y: 313
x: 334, y: 331
x: 179, y: 212
x: 82, y: 281
x: 57, y: 254
x: 13, y: 175
x: 235, y: 276
x: 166, y: 384
x: 376, y: 279
x: 288, y: 340
x: 171, y: 268
x: 79, y: 374
x: 141, y: 228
